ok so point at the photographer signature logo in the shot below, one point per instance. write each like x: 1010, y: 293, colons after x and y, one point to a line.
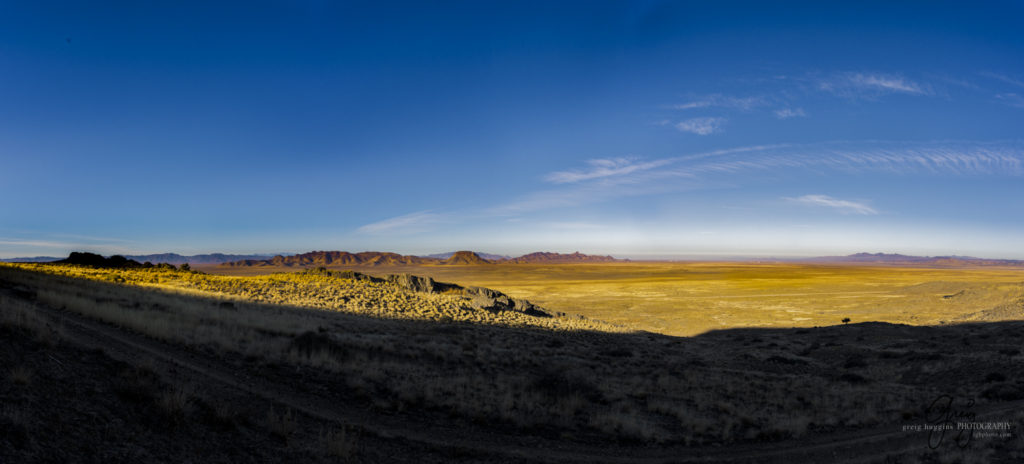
x: 945, y: 417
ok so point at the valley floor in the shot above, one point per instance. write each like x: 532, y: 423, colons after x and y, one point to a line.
x: 690, y: 298
x: 159, y: 374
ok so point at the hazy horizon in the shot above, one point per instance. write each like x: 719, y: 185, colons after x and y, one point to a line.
x: 625, y: 128
x: 726, y: 257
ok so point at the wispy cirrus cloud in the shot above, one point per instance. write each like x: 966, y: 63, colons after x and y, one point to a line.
x: 1004, y: 78
x: 1012, y: 99
x: 870, y: 85
x: 606, y: 167
x: 951, y: 158
x: 723, y: 101
x: 788, y: 113
x: 609, y: 179
x: 955, y: 158
x: 701, y: 126
x: 843, y: 206
x: 38, y: 243
x: 60, y: 244
x: 407, y: 223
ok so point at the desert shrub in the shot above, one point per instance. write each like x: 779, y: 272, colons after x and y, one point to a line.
x: 175, y: 403
x: 136, y: 384
x: 281, y: 425
x: 21, y: 375
x: 219, y: 414
x: 340, y: 443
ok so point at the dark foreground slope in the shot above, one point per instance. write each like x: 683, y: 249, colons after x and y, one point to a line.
x: 272, y: 382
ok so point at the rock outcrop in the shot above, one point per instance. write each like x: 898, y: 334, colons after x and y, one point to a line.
x: 476, y: 297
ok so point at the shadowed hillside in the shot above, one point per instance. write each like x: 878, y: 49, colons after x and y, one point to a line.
x: 440, y: 389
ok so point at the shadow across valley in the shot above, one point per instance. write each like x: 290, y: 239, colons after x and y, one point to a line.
x: 743, y: 391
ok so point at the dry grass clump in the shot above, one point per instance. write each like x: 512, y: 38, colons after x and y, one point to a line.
x: 175, y: 403
x: 340, y: 443
x: 282, y: 424
x: 21, y: 375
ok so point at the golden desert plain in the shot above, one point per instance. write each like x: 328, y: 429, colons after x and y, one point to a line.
x: 610, y: 361
x: 689, y: 298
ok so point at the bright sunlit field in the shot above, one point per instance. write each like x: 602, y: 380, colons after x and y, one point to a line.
x: 692, y: 298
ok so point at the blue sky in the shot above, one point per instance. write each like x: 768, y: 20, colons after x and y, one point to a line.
x: 641, y: 129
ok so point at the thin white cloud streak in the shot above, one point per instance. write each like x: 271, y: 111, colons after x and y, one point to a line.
x: 843, y: 206
x: 701, y: 126
x: 1004, y: 78
x: 723, y: 101
x: 665, y: 175
x: 586, y: 193
x: 954, y: 81
x: 412, y: 222
x: 1011, y: 99
x: 13, y: 247
x: 870, y: 85
x: 606, y: 180
x: 951, y: 159
x: 39, y: 243
x: 604, y: 168
x: 896, y: 84
x: 788, y: 113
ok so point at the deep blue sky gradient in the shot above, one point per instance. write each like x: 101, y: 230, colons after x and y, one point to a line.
x: 608, y: 127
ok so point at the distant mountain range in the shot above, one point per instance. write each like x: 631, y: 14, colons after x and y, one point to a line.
x: 377, y: 258
x: 542, y: 257
x: 898, y: 259
x: 169, y: 258
x: 35, y: 259
x: 336, y: 258
x: 212, y: 258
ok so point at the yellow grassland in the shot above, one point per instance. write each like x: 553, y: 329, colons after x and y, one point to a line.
x: 692, y: 298
x: 310, y: 290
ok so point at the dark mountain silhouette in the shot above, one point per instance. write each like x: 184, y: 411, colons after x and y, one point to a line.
x: 465, y: 257
x: 95, y: 260
x: 542, y: 257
